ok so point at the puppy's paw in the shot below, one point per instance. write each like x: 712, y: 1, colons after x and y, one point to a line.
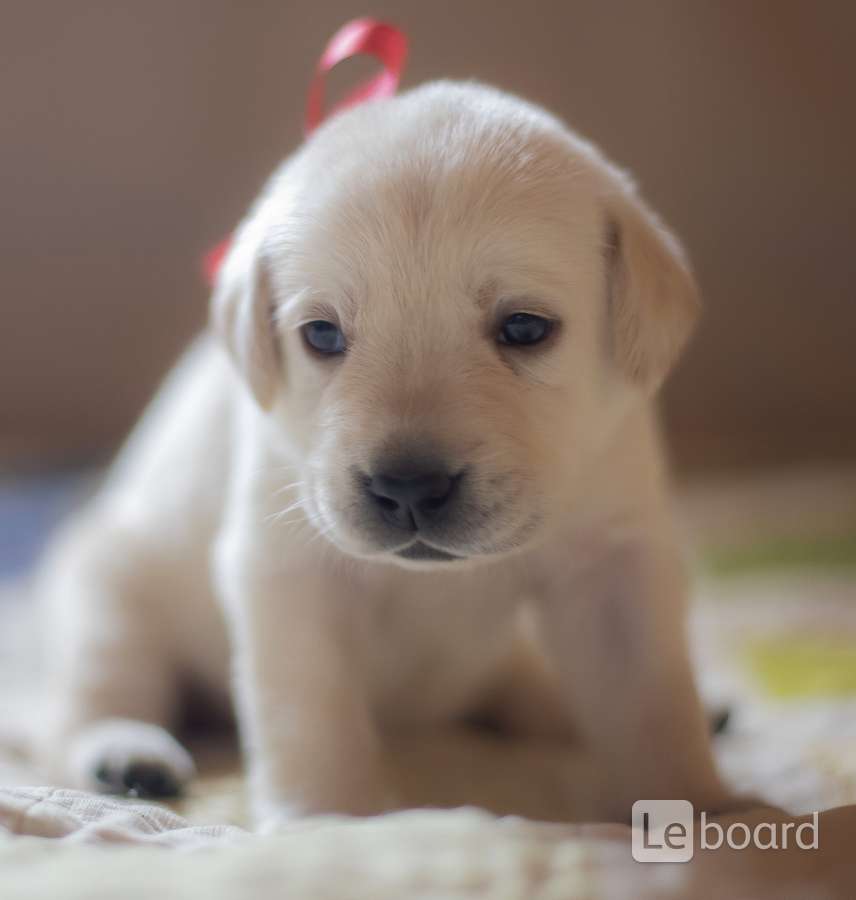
x: 286, y: 816
x: 121, y: 756
x: 272, y: 816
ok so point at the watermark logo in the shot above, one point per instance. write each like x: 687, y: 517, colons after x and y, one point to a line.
x: 663, y: 830
x: 666, y: 830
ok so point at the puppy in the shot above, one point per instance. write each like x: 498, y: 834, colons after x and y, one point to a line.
x: 424, y: 420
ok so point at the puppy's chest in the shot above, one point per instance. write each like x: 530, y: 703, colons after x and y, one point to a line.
x: 426, y: 653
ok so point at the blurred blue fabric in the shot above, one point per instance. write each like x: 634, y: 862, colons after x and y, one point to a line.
x: 30, y: 508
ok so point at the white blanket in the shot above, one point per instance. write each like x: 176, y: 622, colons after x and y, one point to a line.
x: 422, y: 854
x: 462, y: 854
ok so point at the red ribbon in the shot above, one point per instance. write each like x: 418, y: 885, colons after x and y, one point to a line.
x: 379, y: 39
x: 387, y: 44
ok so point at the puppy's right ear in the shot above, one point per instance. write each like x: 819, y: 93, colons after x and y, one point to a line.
x: 242, y: 315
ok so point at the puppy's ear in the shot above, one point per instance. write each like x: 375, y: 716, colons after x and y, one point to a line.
x: 653, y: 298
x: 242, y: 315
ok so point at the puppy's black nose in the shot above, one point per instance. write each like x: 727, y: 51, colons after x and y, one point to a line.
x: 411, y: 499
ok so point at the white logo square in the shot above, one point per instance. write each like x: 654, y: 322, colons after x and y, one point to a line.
x: 662, y: 830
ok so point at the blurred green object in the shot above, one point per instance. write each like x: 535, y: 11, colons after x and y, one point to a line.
x: 795, y: 667
x: 833, y: 552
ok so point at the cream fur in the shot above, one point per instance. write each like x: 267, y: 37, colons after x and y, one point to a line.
x: 232, y: 528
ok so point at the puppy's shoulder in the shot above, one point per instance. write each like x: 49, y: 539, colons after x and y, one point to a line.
x: 180, y: 451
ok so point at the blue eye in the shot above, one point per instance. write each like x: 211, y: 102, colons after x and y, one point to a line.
x: 324, y: 337
x: 524, y: 329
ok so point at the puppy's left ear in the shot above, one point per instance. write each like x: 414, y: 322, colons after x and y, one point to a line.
x: 242, y: 315
x: 653, y: 298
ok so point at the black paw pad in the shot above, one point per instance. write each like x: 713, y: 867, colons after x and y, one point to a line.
x: 139, y: 779
x: 150, y: 780
x: 719, y: 720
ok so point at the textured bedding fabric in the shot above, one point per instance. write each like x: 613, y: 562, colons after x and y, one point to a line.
x: 455, y: 854
x: 78, y: 817
x: 73, y: 818
x: 774, y: 632
x: 77, y: 846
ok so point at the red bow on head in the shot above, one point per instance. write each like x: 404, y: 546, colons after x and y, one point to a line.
x: 379, y: 39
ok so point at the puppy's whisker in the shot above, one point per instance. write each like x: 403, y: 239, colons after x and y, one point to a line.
x: 315, y: 537
x: 278, y: 516
x: 321, y: 529
x: 291, y: 522
x: 287, y: 487
x: 276, y: 519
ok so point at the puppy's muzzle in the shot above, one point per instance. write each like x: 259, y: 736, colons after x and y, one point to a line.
x: 413, y: 498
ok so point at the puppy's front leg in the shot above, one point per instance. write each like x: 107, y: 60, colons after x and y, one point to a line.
x: 616, y: 634
x: 306, y: 724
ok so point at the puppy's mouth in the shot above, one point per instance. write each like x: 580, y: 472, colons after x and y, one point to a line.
x: 421, y: 552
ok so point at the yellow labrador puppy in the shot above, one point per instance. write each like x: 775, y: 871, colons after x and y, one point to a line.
x: 425, y: 419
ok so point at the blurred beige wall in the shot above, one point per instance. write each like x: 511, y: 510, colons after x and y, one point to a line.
x: 135, y: 133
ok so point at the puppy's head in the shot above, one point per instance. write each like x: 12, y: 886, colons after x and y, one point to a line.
x: 442, y: 302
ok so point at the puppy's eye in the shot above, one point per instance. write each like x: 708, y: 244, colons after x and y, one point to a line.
x: 524, y: 329
x: 324, y: 337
